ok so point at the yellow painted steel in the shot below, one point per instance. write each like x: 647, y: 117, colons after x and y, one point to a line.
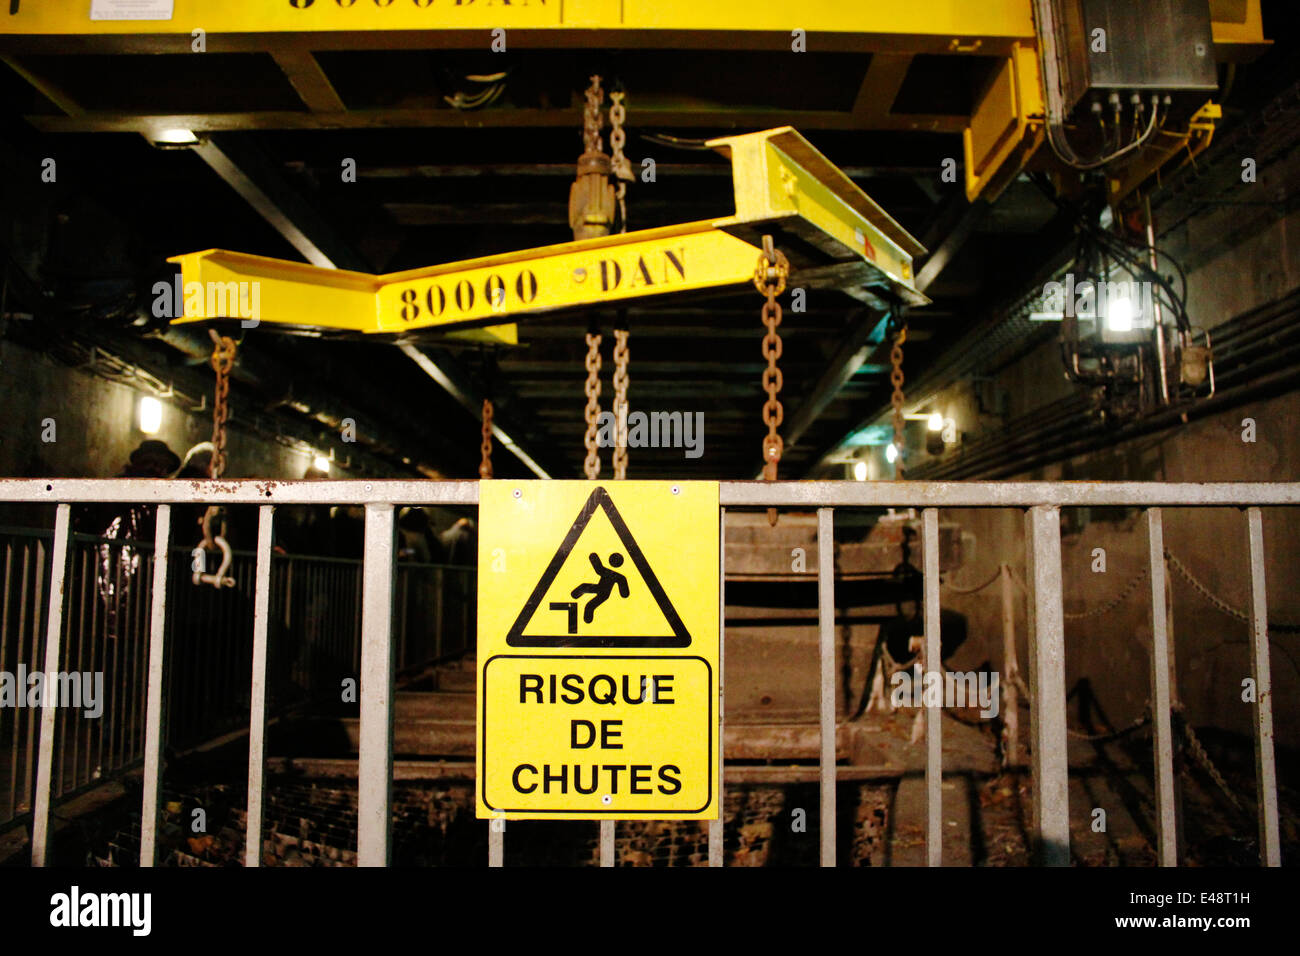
x: 598, y: 649
x: 1007, y: 126
x: 779, y: 181
x: 942, y: 19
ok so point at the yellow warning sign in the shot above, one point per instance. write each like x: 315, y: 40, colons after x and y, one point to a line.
x: 598, y: 650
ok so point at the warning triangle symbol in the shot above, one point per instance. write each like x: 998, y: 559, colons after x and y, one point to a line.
x: 597, y: 604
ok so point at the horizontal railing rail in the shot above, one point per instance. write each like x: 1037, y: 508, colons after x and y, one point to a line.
x: 1041, y: 502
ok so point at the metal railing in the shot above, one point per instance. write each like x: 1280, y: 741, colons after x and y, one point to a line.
x: 1040, y: 501
x: 314, y: 618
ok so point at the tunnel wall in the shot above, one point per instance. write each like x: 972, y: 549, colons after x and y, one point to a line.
x: 1111, y: 649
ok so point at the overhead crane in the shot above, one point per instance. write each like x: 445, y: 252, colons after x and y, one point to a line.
x: 834, y: 234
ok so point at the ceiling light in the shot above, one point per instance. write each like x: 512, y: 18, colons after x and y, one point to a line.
x: 174, y: 138
x: 936, y: 422
x: 1119, y: 314
x: 150, y: 415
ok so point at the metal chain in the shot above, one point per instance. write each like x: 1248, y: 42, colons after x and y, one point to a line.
x: 485, y: 465
x: 591, y: 466
x: 979, y: 587
x: 1219, y: 603
x: 620, y: 403
x: 619, y: 165
x: 1203, y: 759
x: 896, y: 399
x: 1114, y: 602
x: 223, y: 360
x: 769, y: 279
x: 591, y: 122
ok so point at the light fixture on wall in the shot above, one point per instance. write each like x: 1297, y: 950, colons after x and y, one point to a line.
x: 860, y: 471
x: 321, y: 463
x: 150, y: 415
x: 936, y: 422
x: 891, y: 453
x: 174, y: 138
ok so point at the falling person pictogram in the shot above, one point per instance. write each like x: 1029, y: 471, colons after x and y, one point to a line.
x: 603, y: 587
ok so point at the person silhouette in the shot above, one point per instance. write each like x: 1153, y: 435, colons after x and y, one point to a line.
x: 603, y: 586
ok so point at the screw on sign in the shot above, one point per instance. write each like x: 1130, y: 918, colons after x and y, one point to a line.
x: 598, y: 652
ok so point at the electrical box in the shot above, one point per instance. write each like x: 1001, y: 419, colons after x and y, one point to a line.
x: 1127, y: 46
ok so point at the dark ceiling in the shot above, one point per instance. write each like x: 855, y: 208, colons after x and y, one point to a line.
x: 86, y: 250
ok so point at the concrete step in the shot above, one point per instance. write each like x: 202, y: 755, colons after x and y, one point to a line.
x: 425, y: 738
x: 771, y: 741
x: 414, y: 705
x: 456, y: 680
x: 449, y: 737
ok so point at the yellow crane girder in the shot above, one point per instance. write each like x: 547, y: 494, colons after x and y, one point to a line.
x: 782, y: 184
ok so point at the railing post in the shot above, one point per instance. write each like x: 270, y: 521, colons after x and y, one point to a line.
x: 1047, y: 685
x: 933, y: 709
x: 717, y: 831
x: 49, y: 694
x: 1161, y: 700
x: 375, y: 761
x: 257, y: 691
x: 153, y: 736
x: 1270, y: 849
x: 607, y: 842
x: 1010, y: 690
x: 496, y: 843
x: 826, y: 658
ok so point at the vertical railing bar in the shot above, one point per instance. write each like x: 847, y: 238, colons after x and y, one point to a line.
x: 607, y: 842
x: 49, y: 701
x: 1270, y: 849
x: 82, y: 726
x: 717, y: 828
x: 257, y: 690
x: 933, y: 711
x: 4, y: 659
x: 826, y: 658
x: 1047, y: 686
x: 1010, y: 665
x: 18, y: 657
x: 1161, y: 701
x: 375, y: 761
x: 38, y: 584
x: 496, y: 843
x: 153, y: 738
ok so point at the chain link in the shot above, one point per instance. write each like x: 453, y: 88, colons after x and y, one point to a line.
x: 896, y: 399
x: 223, y: 360
x: 591, y: 466
x: 769, y: 279
x: 485, y: 465
x: 1221, y: 604
x: 620, y: 403
x: 1114, y: 602
x: 591, y: 121
x: 619, y: 164
x: 1203, y: 759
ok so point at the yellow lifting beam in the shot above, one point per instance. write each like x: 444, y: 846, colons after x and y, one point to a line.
x: 781, y: 184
